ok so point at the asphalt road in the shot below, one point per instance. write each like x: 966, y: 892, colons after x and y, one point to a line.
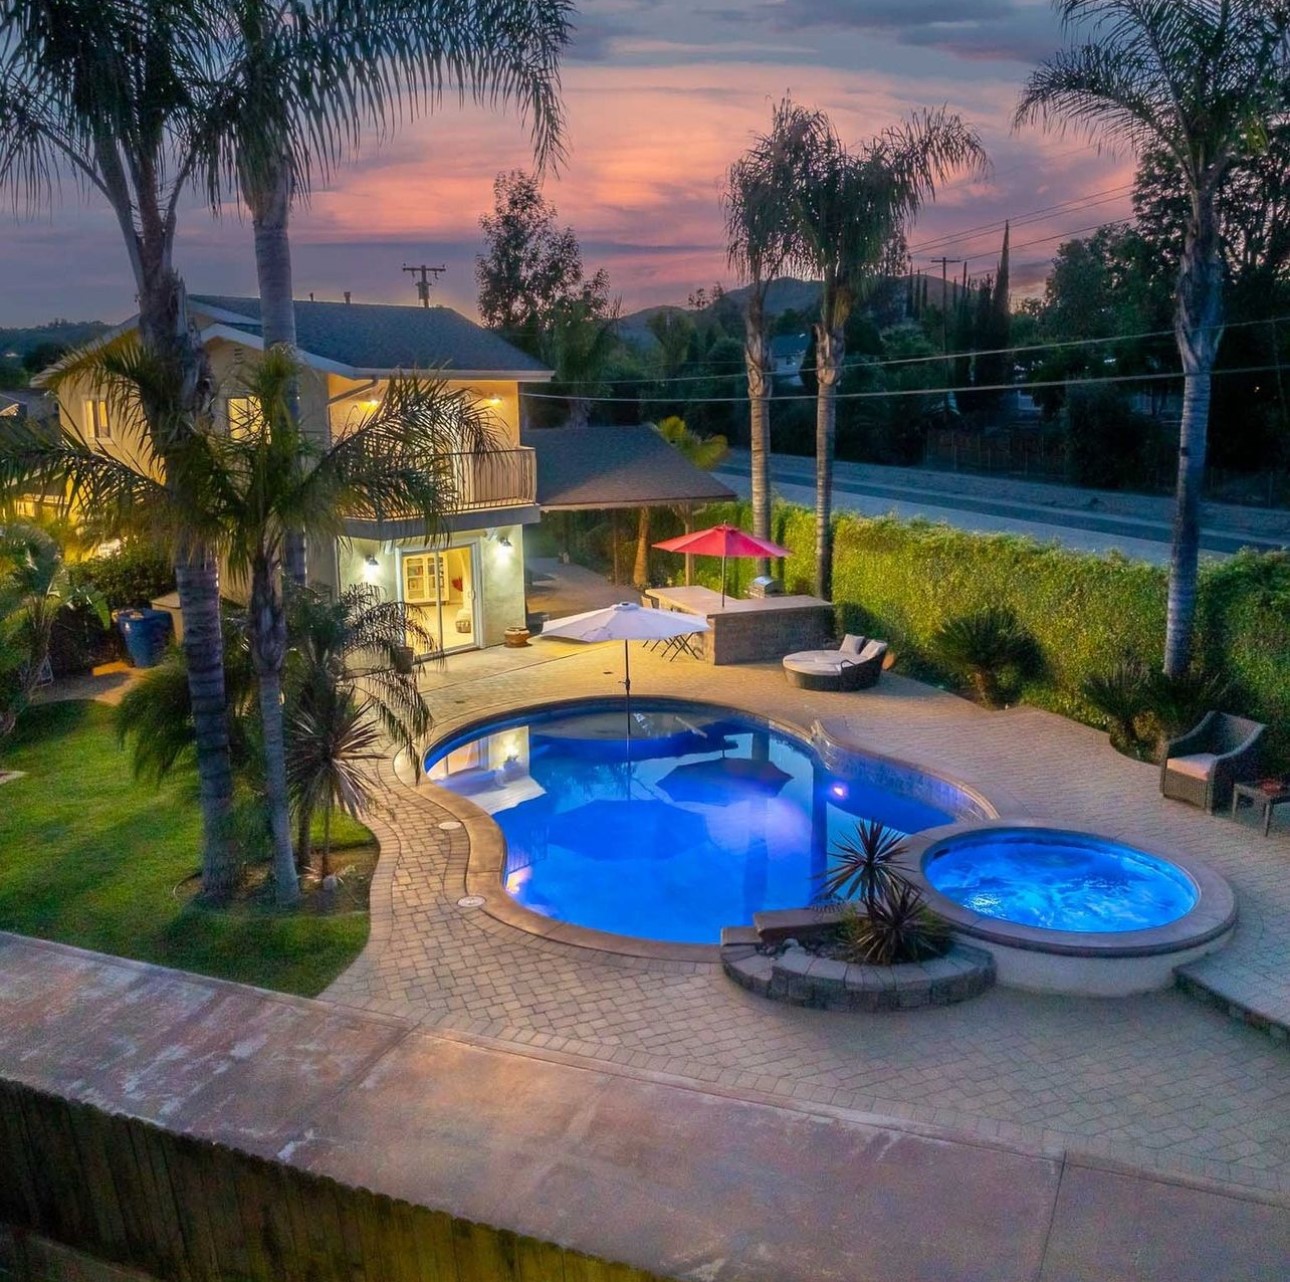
x: 1136, y: 526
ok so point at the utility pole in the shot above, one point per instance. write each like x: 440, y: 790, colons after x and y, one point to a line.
x: 423, y: 285
x: 945, y: 322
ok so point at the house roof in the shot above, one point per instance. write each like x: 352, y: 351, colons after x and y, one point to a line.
x: 609, y: 467
x: 367, y: 339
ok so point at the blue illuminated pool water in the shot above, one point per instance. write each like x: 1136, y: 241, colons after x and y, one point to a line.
x: 1059, y: 881
x: 703, y: 818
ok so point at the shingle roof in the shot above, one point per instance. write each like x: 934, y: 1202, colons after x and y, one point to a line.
x: 372, y: 336
x: 607, y: 467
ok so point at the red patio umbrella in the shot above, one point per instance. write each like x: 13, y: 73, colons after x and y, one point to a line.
x: 723, y: 541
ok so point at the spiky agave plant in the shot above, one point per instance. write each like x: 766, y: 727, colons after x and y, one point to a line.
x: 899, y: 927
x: 1122, y: 694
x: 865, y: 865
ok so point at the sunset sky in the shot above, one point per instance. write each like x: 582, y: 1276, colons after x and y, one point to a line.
x: 661, y: 96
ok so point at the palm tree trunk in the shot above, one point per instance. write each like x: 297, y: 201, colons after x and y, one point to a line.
x: 197, y: 578
x: 286, y: 882
x: 304, y: 833
x: 640, y: 573
x: 757, y: 360
x: 326, y: 849
x: 1198, y: 325
x: 267, y: 624
x: 828, y: 367
x: 270, y: 206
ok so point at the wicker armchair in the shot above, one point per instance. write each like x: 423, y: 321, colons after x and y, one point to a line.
x: 1203, y: 764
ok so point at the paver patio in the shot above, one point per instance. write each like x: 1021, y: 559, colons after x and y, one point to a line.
x: 1161, y: 1080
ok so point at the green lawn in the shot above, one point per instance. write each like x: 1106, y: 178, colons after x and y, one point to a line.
x: 89, y: 856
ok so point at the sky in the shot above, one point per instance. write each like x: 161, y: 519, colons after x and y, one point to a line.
x: 661, y: 96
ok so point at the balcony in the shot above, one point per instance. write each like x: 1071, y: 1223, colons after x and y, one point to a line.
x: 497, y: 481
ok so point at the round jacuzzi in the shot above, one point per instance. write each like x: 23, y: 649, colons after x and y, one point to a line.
x: 1070, y: 911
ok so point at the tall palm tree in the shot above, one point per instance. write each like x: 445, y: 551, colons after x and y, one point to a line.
x: 1204, y: 81
x: 111, y: 91
x: 299, y: 80
x: 759, y: 236
x: 850, y: 212
x: 399, y: 460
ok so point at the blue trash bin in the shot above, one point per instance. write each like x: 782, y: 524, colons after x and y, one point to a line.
x: 146, y: 634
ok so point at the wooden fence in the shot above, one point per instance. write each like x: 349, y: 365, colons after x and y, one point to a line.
x: 131, y: 1193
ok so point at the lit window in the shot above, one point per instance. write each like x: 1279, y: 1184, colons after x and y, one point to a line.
x: 96, y: 420
x: 243, y: 416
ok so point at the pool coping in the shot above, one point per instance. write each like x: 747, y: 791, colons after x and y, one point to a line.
x: 487, y: 856
x: 1212, y: 916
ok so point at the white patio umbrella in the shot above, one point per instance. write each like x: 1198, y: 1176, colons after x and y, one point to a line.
x: 625, y: 622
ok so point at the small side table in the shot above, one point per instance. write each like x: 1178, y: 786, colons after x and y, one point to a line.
x: 1260, y: 794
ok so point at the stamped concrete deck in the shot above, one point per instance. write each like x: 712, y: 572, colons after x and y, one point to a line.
x: 683, y: 1179
x: 1162, y: 1081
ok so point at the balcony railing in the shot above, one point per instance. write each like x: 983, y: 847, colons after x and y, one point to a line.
x: 498, y: 478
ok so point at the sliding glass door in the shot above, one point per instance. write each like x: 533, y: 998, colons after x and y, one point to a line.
x: 442, y: 591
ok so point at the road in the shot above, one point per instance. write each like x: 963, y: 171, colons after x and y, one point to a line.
x: 1137, y: 526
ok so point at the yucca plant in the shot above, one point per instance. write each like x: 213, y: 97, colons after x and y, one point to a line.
x: 1175, y: 704
x: 989, y: 647
x: 899, y: 927
x: 865, y: 865
x: 1122, y: 695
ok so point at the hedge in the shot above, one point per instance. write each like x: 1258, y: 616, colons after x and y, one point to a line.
x: 900, y: 580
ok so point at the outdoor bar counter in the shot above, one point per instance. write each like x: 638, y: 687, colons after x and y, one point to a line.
x: 754, y: 630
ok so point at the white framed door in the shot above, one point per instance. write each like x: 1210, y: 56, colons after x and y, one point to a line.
x: 442, y: 588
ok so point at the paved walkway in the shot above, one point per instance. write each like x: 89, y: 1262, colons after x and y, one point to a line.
x: 1162, y: 1080
x: 685, y: 1180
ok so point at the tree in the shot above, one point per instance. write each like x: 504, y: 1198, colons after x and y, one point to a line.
x: 850, y: 211
x: 577, y: 342
x: 759, y: 242
x: 113, y: 92
x: 297, y: 82
x: 532, y: 270
x: 1204, y: 81
x: 705, y: 452
x: 34, y: 586
x: 343, y: 676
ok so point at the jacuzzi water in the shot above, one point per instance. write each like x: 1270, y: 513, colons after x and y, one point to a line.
x: 699, y: 820
x: 1059, y: 881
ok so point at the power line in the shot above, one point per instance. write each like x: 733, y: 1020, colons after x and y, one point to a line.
x: 915, y: 391
x: 1053, y: 345
x: 1061, y: 235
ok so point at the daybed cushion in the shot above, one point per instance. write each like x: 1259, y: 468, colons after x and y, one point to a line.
x: 1196, y: 765
x: 851, y: 644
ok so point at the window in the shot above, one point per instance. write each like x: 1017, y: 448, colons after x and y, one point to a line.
x: 243, y: 416
x: 96, y: 420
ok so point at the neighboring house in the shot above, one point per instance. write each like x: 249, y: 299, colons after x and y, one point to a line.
x: 468, y: 586
x: 787, y: 352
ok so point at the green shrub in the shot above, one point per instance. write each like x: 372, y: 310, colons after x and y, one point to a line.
x: 1122, y: 695
x: 127, y: 579
x: 989, y: 647
x: 901, y: 580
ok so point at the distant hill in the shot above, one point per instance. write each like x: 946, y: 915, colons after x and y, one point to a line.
x: 16, y: 343
x: 785, y: 294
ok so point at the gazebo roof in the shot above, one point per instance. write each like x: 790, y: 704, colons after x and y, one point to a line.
x: 616, y: 467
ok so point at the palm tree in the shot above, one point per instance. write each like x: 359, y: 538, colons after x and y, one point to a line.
x: 400, y: 460
x: 1205, y: 83
x: 578, y: 343
x: 298, y: 81
x: 759, y: 228
x: 111, y: 91
x: 850, y: 212
x: 346, y: 645
x: 34, y: 587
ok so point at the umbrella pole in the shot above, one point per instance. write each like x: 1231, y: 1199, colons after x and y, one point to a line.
x: 723, y: 581
x: 627, y: 684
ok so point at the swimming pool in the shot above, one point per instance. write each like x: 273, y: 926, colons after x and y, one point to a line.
x: 701, y: 818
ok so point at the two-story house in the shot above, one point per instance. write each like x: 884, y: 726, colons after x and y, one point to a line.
x: 467, y: 585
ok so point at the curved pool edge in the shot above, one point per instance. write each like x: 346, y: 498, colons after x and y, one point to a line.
x: 1103, y: 964
x: 487, y: 855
